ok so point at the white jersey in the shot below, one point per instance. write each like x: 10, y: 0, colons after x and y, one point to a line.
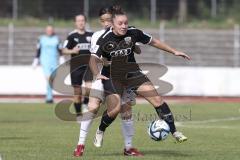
x: 94, y: 40
x: 97, y: 86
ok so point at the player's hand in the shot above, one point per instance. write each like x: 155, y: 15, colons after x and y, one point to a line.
x: 35, y: 63
x: 76, y: 50
x: 184, y: 55
x: 99, y: 76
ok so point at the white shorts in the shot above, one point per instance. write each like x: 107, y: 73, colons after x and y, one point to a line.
x: 97, y: 91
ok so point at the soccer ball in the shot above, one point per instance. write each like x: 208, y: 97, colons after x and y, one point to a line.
x: 158, y: 130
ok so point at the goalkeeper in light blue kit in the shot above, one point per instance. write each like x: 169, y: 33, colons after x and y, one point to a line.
x: 49, y: 55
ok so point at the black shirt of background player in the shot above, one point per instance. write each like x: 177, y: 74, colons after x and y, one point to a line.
x: 115, y: 48
x: 83, y: 41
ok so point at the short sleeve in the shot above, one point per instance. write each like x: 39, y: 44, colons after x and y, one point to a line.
x: 143, y: 37
x: 95, y: 44
x: 68, y: 43
x: 96, y: 50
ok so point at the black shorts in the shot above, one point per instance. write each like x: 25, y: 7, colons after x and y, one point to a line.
x: 117, y: 85
x: 80, y: 74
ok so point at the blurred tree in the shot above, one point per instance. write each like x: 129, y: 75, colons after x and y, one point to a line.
x: 214, y: 8
x: 136, y: 9
x: 167, y: 9
x: 5, y: 8
x: 62, y: 8
x: 182, y: 11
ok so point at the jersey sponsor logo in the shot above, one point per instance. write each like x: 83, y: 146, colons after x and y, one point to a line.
x: 83, y: 46
x: 121, y: 52
x: 76, y: 40
x: 111, y: 46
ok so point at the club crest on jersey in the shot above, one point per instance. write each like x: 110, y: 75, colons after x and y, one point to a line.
x: 88, y: 38
x: 76, y: 40
x: 128, y: 40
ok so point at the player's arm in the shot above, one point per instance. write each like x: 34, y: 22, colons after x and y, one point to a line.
x: 36, y: 58
x: 95, y: 59
x: 93, y: 64
x: 61, y: 56
x: 59, y: 48
x: 67, y: 51
x: 147, y: 39
x: 163, y: 46
x: 69, y: 47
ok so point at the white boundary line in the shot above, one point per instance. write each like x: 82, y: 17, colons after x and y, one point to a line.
x: 201, y: 124
x: 213, y: 120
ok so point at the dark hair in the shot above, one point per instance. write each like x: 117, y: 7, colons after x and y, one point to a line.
x: 105, y: 10
x: 114, y: 10
x: 117, y: 10
x: 80, y: 15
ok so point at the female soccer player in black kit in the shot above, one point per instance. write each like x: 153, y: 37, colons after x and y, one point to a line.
x: 116, y: 45
x: 78, y: 44
x: 96, y: 97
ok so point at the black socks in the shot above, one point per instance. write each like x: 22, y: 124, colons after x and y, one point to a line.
x: 165, y: 113
x: 105, y: 121
x: 78, y: 107
x: 85, y: 100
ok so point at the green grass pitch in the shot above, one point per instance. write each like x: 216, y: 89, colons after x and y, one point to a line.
x: 33, y: 132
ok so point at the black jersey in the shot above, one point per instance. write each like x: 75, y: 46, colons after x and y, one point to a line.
x: 80, y: 40
x: 113, y: 47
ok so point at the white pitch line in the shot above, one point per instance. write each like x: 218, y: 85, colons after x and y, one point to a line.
x: 213, y: 120
x: 200, y: 124
x: 208, y: 127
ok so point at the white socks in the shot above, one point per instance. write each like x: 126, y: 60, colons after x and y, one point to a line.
x: 127, y: 129
x: 86, y: 121
x: 128, y: 132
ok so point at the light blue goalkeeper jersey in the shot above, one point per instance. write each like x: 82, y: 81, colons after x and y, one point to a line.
x: 49, y: 50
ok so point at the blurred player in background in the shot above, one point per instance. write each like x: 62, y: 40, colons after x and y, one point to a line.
x: 78, y: 44
x: 48, y: 51
x: 116, y: 44
x: 97, y: 97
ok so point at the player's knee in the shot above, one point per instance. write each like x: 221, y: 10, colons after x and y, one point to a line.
x: 117, y: 109
x: 126, y: 115
x: 157, y: 101
x: 126, y: 111
x: 77, y: 99
x: 113, y: 112
x: 93, y: 105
